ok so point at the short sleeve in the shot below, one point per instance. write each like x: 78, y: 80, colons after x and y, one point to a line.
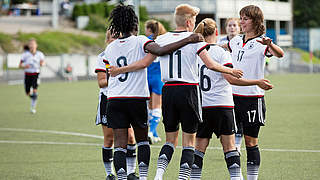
x: 42, y: 56
x: 202, y: 46
x: 226, y: 59
x: 101, y: 63
x: 144, y: 41
x: 23, y: 58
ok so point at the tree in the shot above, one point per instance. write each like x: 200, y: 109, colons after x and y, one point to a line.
x: 306, y: 13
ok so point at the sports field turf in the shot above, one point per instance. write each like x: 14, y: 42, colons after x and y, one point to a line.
x: 34, y: 147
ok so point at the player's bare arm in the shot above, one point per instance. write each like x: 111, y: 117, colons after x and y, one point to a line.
x: 155, y: 49
x: 213, y: 65
x: 141, y: 64
x: 262, y: 83
x: 273, y: 49
x: 42, y: 63
x: 102, y: 79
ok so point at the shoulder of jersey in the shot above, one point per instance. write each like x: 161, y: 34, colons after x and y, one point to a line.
x: 101, y: 54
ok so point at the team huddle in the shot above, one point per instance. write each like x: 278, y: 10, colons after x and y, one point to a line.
x: 207, y: 88
x: 196, y: 82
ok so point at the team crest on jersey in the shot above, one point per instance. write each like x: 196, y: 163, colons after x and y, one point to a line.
x: 251, y: 45
x: 104, y: 119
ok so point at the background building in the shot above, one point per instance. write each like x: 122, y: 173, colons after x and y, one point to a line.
x: 278, y: 14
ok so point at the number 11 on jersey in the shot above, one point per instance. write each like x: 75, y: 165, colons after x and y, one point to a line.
x: 171, y: 56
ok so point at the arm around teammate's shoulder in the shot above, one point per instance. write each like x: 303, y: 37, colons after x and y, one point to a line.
x: 141, y: 64
x: 213, y: 65
x: 155, y: 49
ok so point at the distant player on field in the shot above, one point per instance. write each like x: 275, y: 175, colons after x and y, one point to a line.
x: 127, y: 93
x: 181, y: 94
x: 31, y: 61
x: 248, y: 53
x: 101, y: 118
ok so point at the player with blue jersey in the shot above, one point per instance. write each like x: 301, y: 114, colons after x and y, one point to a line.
x: 153, y: 29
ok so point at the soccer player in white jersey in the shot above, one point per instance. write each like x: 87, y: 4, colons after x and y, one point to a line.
x: 217, y: 107
x: 248, y: 53
x: 181, y: 94
x: 232, y: 30
x: 31, y: 61
x: 101, y: 118
x: 128, y: 92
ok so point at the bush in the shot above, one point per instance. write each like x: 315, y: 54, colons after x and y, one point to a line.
x: 6, y: 43
x: 96, y: 23
x: 59, y: 42
x: 77, y: 11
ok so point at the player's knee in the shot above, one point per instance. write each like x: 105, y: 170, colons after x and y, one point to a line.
x: 251, y: 141
x: 232, y: 159
x: 253, y: 155
x: 108, y: 141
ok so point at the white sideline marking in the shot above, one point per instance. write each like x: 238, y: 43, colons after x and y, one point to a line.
x: 101, y: 137
x: 52, y: 132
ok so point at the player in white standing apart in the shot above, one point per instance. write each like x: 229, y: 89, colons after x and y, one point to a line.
x: 181, y: 93
x: 31, y: 61
x: 248, y: 53
x: 101, y: 118
x: 232, y: 30
x: 128, y: 92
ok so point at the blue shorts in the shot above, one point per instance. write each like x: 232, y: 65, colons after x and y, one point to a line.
x: 154, y: 78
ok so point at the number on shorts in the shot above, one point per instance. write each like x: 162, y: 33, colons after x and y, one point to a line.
x: 124, y: 62
x: 253, y: 112
x: 204, y: 77
x: 178, y: 54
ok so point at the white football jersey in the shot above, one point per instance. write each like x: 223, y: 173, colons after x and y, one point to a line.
x: 181, y: 65
x: 101, y: 66
x: 32, y: 60
x: 250, y: 58
x: 216, y: 90
x: 122, y: 52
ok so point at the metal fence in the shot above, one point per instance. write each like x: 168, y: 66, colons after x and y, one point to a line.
x: 83, y: 67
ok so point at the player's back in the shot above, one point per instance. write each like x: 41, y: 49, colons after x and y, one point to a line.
x: 123, y: 52
x: 181, y: 65
x: 216, y: 90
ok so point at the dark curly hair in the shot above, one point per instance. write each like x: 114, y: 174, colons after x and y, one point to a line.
x: 123, y: 20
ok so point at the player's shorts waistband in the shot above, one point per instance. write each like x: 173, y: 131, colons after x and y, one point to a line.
x: 180, y: 83
x: 31, y: 74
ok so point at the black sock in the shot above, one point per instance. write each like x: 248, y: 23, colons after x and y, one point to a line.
x: 107, y: 157
x: 143, y: 158
x: 232, y: 159
x: 253, y: 162
x: 120, y: 163
x: 197, y: 165
x: 187, y: 159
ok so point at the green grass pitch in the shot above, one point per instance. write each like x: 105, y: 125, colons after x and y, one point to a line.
x: 290, y: 142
